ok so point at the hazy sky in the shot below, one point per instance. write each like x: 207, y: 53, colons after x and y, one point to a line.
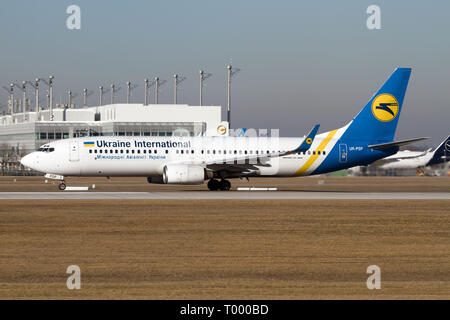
x: 302, y: 61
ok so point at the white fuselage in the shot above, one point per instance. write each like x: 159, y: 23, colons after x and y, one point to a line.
x: 407, y: 160
x: 147, y: 156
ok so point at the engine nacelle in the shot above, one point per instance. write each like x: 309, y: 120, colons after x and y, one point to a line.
x: 183, y: 174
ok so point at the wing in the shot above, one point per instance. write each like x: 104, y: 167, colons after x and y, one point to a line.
x: 247, y: 164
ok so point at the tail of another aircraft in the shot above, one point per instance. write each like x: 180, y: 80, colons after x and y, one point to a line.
x: 441, y: 154
x: 377, y: 121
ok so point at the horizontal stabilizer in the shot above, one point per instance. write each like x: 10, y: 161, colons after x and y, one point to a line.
x: 395, y: 143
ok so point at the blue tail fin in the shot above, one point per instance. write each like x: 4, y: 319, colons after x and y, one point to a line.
x: 441, y: 154
x: 378, y: 120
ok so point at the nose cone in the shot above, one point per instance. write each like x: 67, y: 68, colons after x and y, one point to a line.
x: 27, y: 161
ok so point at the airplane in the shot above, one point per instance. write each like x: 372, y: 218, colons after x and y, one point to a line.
x: 419, y: 160
x: 368, y: 137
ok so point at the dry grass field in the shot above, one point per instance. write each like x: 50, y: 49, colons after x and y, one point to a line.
x: 233, y: 249
x: 314, y: 183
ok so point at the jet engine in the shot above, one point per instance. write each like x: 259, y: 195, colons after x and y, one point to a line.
x: 183, y: 174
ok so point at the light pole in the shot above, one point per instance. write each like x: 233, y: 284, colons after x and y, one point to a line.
x: 50, y: 88
x: 146, y: 92
x: 36, y: 84
x: 203, y: 77
x: 176, y: 81
x: 112, y: 93
x: 101, y: 96
x: 231, y: 73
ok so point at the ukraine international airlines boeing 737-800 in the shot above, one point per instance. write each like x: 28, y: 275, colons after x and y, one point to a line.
x: 192, y: 160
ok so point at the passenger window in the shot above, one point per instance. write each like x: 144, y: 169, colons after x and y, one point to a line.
x: 323, y: 152
x: 182, y: 151
x: 106, y: 151
x: 121, y: 150
x: 318, y: 152
x: 111, y: 151
x: 90, y: 150
x: 139, y: 151
x: 95, y: 151
x: 235, y: 151
x: 192, y: 151
x: 101, y: 151
x: 117, y: 151
x: 145, y: 151
x: 314, y: 152
x: 167, y: 151
x: 155, y: 152
x: 132, y: 151
x: 149, y: 151
x: 128, y: 151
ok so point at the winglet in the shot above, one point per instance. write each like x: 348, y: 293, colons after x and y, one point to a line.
x: 306, y: 144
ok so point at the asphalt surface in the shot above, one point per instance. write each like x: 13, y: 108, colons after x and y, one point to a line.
x: 222, y: 195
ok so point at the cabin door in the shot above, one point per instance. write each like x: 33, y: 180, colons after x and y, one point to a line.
x: 343, y: 154
x: 74, y: 154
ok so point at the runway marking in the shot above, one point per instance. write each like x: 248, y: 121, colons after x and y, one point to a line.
x: 230, y: 195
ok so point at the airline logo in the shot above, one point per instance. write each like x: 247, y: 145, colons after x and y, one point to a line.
x: 447, y: 145
x: 385, y: 107
x: 309, y: 141
x: 89, y: 144
x: 221, y: 129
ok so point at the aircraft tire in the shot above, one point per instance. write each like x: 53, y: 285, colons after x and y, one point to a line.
x: 213, y: 185
x: 62, y: 186
x: 225, y: 185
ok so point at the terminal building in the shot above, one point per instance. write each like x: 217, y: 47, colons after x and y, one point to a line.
x: 21, y: 133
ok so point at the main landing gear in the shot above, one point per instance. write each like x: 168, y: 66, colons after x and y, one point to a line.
x: 62, y: 186
x: 223, y: 185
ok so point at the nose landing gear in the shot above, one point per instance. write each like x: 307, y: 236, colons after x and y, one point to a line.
x: 223, y: 185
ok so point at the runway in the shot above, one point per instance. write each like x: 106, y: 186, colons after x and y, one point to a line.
x: 231, y: 195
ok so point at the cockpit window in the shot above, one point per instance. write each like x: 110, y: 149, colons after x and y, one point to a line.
x: 46, y: 149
